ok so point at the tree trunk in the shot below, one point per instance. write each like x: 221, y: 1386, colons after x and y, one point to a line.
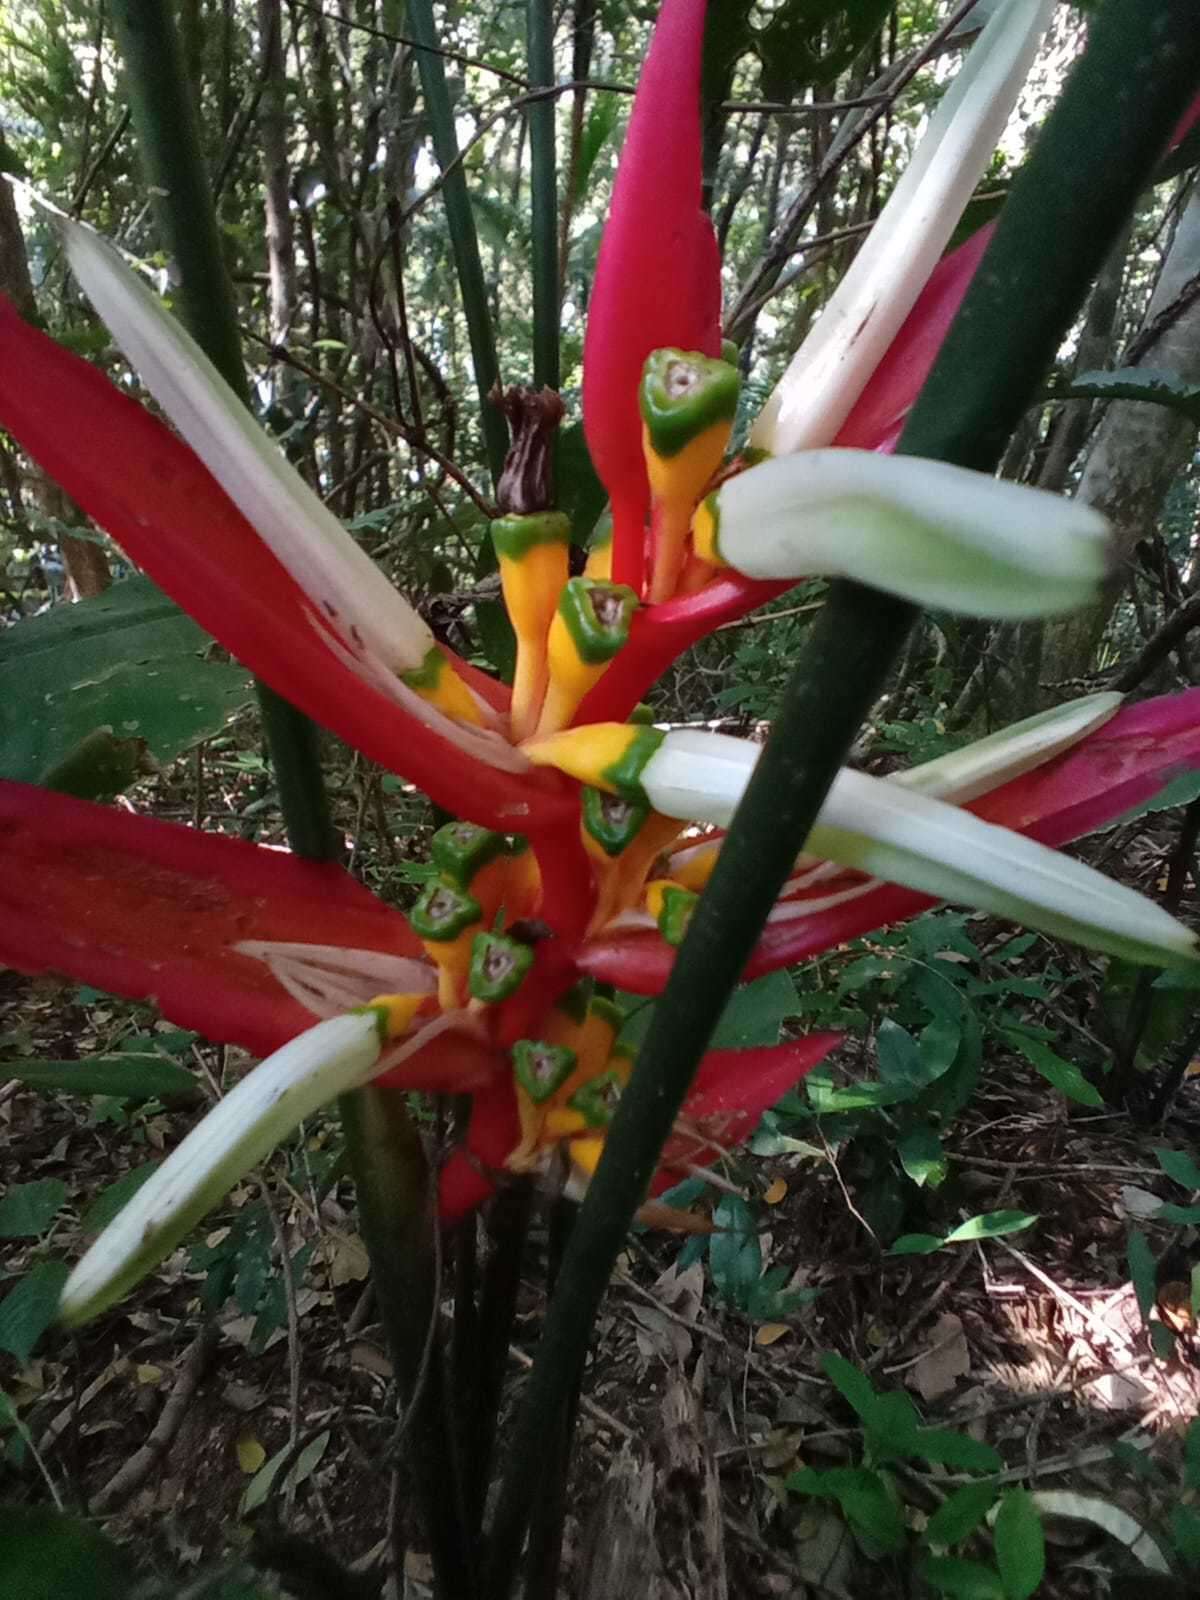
x: 272, y: 130
x: 85, y: 562
x: 1138, y: 449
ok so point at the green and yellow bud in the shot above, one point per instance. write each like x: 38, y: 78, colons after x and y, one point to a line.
x: 534, y: 555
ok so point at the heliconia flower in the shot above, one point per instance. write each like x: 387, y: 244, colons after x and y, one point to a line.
x: 576, y: 854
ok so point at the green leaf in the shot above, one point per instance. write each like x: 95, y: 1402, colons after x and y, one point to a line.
x: 46, y: 1556
x: 961, y: 1579
x: 110, y: 1200
x: 966, y: 1508
x: 263, y: 1481
x: 950, y: 1449
x: 28, y: 1209
x: 131, y: 1077
x: 1191, y: 1455
x: 734, y: 1253
x: 893, y: 1425
x: 922, y: 1157
x: 1180, y: 791
x: 754, y: 1016
x: 1137, y: 383
x: 1185, y: 1533
x: 86, y: 690
x: 916, y: 1244
x: 1169, y: 1212
x: 991, y: 1225
x: 898, y: 1055
x: 1143, y: 1272
x: 1064, y: 1075
x: 1020, y: 1545
x: 853, y: 1386
x: 1175, y: 1163
x: 863, y: 1497
x: 29, y: 1309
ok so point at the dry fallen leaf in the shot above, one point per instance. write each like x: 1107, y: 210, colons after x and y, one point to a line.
x: 349, y: 1262
x: 946, y: 1359
x: 770, y: 1332
x: 776, y: 1192
x: 250, y: 1454
x: 148, y: 1374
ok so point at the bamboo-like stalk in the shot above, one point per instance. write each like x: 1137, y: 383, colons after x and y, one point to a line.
x: 543, y: 171
x: 1141, y: 66
x: 398, y: 1217
x: 464, y: 241
x: 169, y: 140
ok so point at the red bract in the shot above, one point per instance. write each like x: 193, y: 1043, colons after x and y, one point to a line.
x: 658, y: 278
x: 142, y: 483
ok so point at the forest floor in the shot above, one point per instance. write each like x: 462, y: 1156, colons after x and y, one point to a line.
x: 159, y: 1418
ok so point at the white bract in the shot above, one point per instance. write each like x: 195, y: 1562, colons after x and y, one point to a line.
x: 902, y: 836
x: 936, y: 534
x: 830, y: 370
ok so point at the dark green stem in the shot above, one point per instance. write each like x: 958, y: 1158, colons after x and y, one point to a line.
x: 1105, y: 134
x: 508, y: 1231
x: 539, y: 23
x: 169, y: 140
x: 397, y: 1214
x: 461, y: 223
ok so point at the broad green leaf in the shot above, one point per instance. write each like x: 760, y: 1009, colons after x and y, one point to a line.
x: 86, y: 691
x: 1185, y: 1533
x: 1020, y: 1545
x: 109, y: 1201
x: 1191, y: 1455
x: 893, y: 1425
x: 898, y: 1055
x: 950, y: 1449
x: 966, y: 1508
x: 124, y: 1077
x: 1064, y: 1075
x: 1184, y: 1215
x: 863, y: 1497
x: 1175, y: 1163
x: 991, y: 1225
x: 962, y: 1579
x: 47, y: 1556
x: 734, y: 1253
x: 29, y: 1309
x: 1180, y: 791
x: 916, y: 1244
x: 853, y: 1386
x: 28, y: 1209
x: 922, y: 1157
x: 1143, y: 1273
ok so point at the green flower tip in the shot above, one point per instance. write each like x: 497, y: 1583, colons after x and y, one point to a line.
x: 498, y: 966
x: 597, y: 1100
x: 682, y: 395
x: 611, y: 820
x: 443, y: 912
x: 514, y: 536
x: 542, y: 1068
x: 460, y: 849
x: 597, y: 616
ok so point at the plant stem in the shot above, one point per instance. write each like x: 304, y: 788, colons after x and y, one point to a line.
x: 539, y: 22
x: 464, y: 241
x: 1101, y: 140
x: 396, y: 1209
x: 169, y: 140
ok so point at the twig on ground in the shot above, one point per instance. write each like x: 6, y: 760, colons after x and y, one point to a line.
x: 143, y: 1462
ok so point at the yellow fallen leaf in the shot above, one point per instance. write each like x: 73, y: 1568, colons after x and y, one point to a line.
x: 250, y: 1453
x: 216, y: 1237
x: 350, y: 1263
x: 776, y: 1192
x: 770, y: 1331
x: 148, y: 1374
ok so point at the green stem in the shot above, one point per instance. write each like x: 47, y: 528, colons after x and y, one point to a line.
x: 169, y: 139
x: 461, y: 223
x: 396, y: 1210
x: 1141, y: 65
x: 539, y: 22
